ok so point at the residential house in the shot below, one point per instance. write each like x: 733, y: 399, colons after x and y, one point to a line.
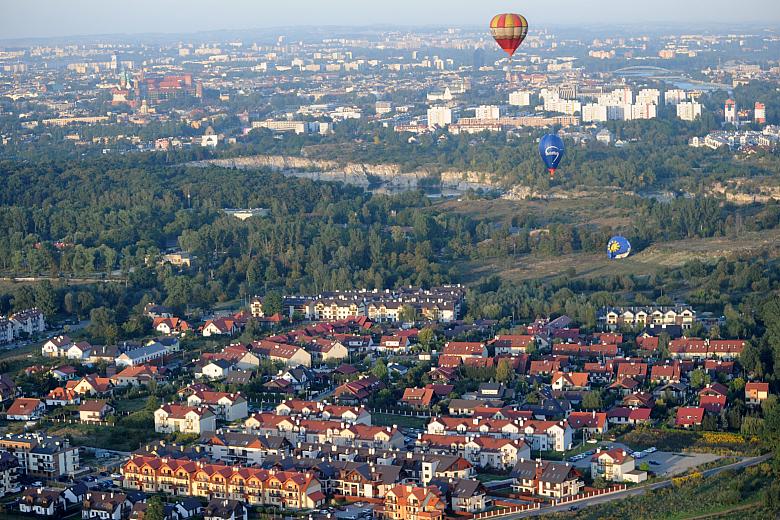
x: 359, y: 390
x: 25, y: 409
x: 689, y: 416
x: 45, y: 502
x: 625, y: 415
x: 223, y: 509
x: 464, y: 495
x: 667, y: 373
x: 590, y: 423
x: 62, y: 396
x: 171, y: 418
x: 94, y: 411
x: 407, y: 502
x: 142, y: 355
x: 226, y: 406
x: 615, y: 465
x: 420, y: 398
x: 570, y: 381
x: 548, y: 479
x: 9, y: 474
x: 56, y: 346
x: 219, y: 327
x: 171, y: 326
x: 465, y: 349
x: 105, y: 505
x: 513, y: 344
x: 91, y: 385
x: 42, y: 456
x: 138, y: 375
x: 216, y: 369
x: 756, y: 393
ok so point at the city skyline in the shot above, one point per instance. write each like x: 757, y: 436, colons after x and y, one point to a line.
x: 46, y: 18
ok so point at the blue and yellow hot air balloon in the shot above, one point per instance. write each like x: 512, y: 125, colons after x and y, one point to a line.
x: 618, y: 247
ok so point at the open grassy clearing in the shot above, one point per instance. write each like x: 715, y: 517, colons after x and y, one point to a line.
x: 651, y: 260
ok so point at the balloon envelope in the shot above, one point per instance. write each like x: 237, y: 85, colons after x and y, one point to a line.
x: 509, y: 30
x: 618, y: 247
x: 551, y: 150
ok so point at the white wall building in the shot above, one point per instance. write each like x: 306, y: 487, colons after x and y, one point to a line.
x: 688, y: 110
x: 439, y: 116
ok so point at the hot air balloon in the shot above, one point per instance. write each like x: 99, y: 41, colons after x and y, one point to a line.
x: 509, y: 31
x: 551, y: 150
x: 618, y: 247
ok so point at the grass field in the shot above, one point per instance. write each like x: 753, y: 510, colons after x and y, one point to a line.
x: 402, y: 421
x: 651, y: 260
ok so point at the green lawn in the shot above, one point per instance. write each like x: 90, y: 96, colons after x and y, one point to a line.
x: 402, y: 421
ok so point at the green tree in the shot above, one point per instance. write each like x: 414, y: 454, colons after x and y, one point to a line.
x: 699, y: 378
x: 504, y: 372
x: 272, y: 303
x: 407, y: 314
x: 426, y: 337
x: 155, y: 510
x: 380, y: 370
x: 592, y: 400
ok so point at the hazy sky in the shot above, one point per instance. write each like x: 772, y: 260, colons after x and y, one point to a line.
x: 26, y: 18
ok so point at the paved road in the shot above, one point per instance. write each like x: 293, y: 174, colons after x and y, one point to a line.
x: 639, y: 490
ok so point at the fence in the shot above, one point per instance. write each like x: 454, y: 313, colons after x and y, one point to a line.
x: 507, y: 511
x: 589, y: 494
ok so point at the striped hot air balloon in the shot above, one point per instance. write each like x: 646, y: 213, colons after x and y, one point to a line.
x: 509, y: 31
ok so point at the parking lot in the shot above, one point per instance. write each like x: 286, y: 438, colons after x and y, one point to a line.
x: 662, y: 463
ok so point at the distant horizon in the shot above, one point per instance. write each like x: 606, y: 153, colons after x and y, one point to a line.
x: 52, y: 19
x: 378, y: 28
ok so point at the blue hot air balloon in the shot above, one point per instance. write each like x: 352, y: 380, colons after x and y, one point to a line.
x: 551, y: 149
x: 618, y: 247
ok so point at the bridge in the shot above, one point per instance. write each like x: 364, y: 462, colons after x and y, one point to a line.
x: 644, y: 69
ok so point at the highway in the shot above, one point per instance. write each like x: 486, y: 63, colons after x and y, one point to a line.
x: 630, y: 492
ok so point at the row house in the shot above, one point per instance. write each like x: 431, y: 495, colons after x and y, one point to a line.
x: 255, y: 486
x: 513, y: 344
x: 9, y: 474
x: 666, y: 373
x: 56, y: 346
x: 314, y: 431
x: 600, y: 373
x: 547, y: 479
x: 614, y: 317
x: 324, y: 411
x: 540, y: 435
x: 244, y: 448
x: 465, y: 349
x: 359, y: 390
x: 699, y: 349
x: 290, y: 355
x: 481, y: 451
x: 141, y: 355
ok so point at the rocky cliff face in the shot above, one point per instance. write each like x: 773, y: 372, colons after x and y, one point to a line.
x: 743, y: 191
x: 359, y: 174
